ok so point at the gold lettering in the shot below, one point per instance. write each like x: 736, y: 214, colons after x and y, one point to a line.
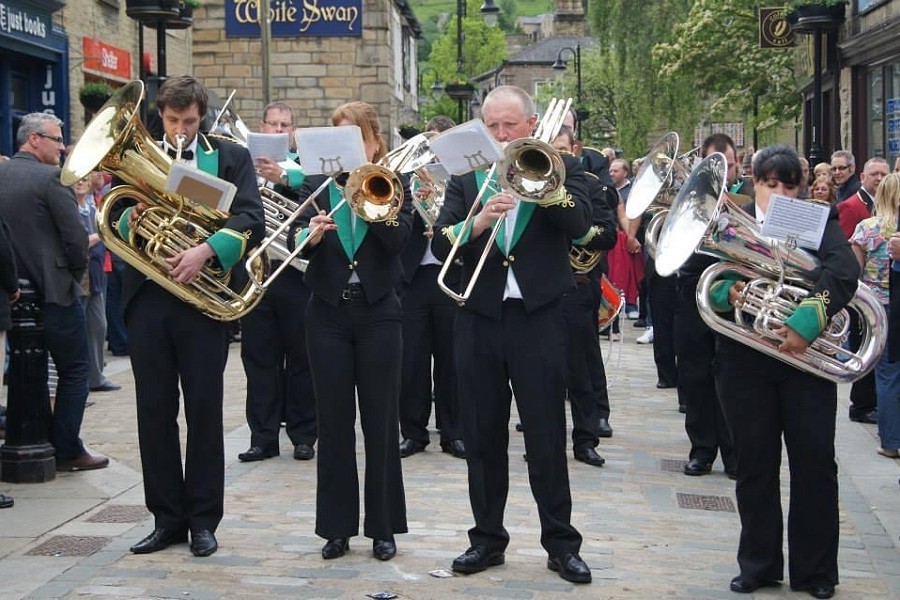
x: 245, y: 11
x: 312, y: 13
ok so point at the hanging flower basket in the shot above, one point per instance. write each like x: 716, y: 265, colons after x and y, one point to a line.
x: 460, y: 91
x: 144, y: 10
x: 810, y: 17
x: 94, y: 95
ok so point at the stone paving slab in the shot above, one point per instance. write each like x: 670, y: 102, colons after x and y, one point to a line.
x: 638, y: 541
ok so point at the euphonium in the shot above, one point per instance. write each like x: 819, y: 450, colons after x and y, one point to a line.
x: 705, y: 219
x: 116, y: 142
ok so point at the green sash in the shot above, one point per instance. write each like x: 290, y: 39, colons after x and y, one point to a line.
x: 342, y: 218
x: 526, y: 209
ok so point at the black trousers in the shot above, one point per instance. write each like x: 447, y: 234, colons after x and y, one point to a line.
x: 863, y: 395
x: 695, y: 346
x: 529, y: 351
x: 170, y: 343
x: 355, y: 349
x: 273, y: 350
x: 662, y: 311
x: 765, y: 399
x: 584, y: 362
x: 428, y: 316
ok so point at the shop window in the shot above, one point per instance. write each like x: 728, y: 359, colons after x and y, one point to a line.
x: 18, y: 92
x: 875, y: 112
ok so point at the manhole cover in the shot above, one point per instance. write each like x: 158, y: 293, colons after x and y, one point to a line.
x: 672, y: 466
x: 69, y: 545
x: 701, y: 502
x: 120, y: 513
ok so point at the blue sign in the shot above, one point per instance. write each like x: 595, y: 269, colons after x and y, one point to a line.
x: 295, y: 18
x: 24, y: 24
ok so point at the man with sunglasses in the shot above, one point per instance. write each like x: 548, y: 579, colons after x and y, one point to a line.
x: 51, y: 248
x: 843, y: 171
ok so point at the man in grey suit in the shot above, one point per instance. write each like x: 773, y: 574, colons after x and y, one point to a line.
x: 51, y: 248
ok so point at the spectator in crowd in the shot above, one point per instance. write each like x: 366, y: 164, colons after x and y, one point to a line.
x: 869, y: 244
x: 843, y: 170
x: 823, y: 169
x: 823, y: 190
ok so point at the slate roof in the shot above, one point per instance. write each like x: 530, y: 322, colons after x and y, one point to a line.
x: 545, y: 50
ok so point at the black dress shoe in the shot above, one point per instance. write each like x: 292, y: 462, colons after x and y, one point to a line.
x: 604, y: 430
x: 664, y: 385
x: 589, y: 455
x: 255, y: 453
x: 160, y: 539
x: 106, y: 387
x: 203, y: 543
x: 697, y: 467
x: 304, y: 452
x: 6, y: 501
x: 384, y: 549
x: 744, y: 585
x: 409, y: 447
x: 816, y: 591
x: 519, y: 427
x: 870, y: 417
x: 335, y: 548
x: 454, y: 447
x: 477, y: 559
x: 682, y: 408
x: 640, y: 323
x: 570, y: 567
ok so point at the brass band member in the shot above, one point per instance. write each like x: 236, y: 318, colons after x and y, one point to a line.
x: 354, y: 339
x: 273, y: 345
x: 428, y: 316
x: 586, y: 373
x: 765, y: 400
x: 171, y: 343
x: 512, y: 331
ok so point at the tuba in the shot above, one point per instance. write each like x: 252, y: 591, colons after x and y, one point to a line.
x: 115, y: 141
x: 531, y: 170
x: 778, y: 276
x: 660, y: 176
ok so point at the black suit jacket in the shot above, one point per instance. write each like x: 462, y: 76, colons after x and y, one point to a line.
x: 414, y: 250
x: 9, y: 278
x: 541, y: 256
x: 48, y: 236
x: 595, y: 162
x: 376, y: 262
x: 603, y: 218
x: 246, y: 214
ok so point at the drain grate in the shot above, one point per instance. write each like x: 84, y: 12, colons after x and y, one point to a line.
x: 120, y: 513
x: 672, y: 466
x: 701, y: 502
x: 69, y: 545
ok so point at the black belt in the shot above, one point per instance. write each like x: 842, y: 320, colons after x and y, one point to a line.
x: 353, y: 291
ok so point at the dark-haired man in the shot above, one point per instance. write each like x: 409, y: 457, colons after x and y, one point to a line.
x: 171, y: 343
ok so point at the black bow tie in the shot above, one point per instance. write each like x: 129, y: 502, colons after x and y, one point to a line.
x: 185, y: 154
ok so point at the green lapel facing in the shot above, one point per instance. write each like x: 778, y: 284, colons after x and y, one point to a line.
x: 207, y: 160
x: 526, y: 209
x: 342, y: 218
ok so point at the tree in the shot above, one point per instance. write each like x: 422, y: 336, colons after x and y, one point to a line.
x: 716, y: 49
x: 628, y: 103
x: 483, y: 49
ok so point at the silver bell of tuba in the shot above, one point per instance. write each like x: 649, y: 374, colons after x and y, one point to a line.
x: 778, y: 277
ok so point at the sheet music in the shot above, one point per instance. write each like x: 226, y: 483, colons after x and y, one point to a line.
x: 274, y: 146
x: 466, y: 147
x: 330, y: 150
x: 200, y: 187
x: 797, y: 222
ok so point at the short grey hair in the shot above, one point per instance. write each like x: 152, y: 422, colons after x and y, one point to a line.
x: 511, y: 91
x: 846, y: 154
x: 875, y: 160
x: 35, y: 122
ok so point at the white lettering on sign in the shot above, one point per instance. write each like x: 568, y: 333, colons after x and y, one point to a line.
x: 312, y: 13
x: 48, y: 94
x: 16, y: 20
x: 108, y: 60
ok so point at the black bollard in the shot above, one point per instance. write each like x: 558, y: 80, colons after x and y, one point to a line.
x: 27, y: 456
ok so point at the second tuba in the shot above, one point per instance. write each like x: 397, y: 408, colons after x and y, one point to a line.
x: 117, y: 142
x: 705, y: 219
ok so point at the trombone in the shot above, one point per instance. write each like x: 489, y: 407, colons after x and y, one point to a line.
x: 531, y: 170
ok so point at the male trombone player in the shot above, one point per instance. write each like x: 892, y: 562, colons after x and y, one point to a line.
x: 511, y: 330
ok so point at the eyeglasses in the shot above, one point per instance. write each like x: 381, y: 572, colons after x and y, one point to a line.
x: 56, y: 138
x: 840, y: 167
x: 277, y: 124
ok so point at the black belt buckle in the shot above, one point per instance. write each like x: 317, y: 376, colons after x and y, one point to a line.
x: 353, y: 291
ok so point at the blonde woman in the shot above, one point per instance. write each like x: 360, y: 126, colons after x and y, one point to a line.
x: 823, y: 190
x: 869, y: 244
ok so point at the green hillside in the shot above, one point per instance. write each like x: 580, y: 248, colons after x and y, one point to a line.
x: 428, y: 13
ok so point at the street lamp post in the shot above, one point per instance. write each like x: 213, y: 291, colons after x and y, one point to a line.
x: 489, y: 11
x: 560, y: 65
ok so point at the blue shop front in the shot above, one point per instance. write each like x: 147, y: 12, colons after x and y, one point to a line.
x: 34, y: 58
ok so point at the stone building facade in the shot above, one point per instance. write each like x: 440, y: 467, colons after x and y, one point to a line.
x: 374, y: 61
